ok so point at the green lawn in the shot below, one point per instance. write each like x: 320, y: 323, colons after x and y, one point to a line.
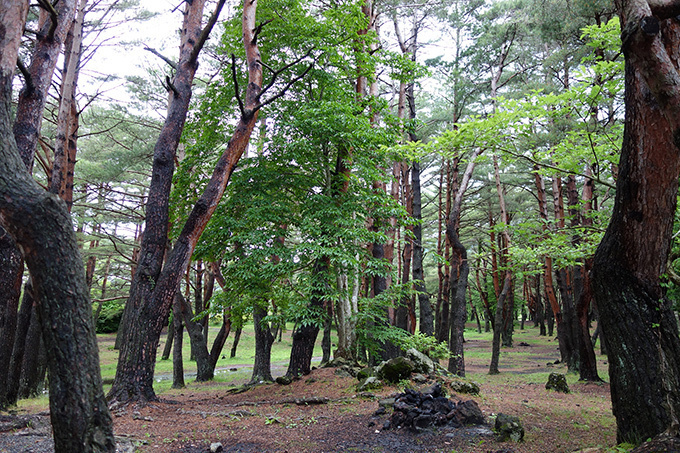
x: 242, y: 362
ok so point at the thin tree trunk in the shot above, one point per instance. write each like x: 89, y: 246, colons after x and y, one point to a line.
x: 220, y: 339
x: 167, y: 349
x: 237, y: 338
x: 177, y: 360
x: 204, y: 370
x: 496, y: 342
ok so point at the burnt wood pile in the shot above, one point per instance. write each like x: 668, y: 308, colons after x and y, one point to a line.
x: 419, y: 411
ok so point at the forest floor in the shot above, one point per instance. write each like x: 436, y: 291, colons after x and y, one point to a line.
x: 269, y: 418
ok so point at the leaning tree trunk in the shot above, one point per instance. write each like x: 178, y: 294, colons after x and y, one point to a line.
x: 30, y: 106
x: 637, y: 319
x: 460, y: 269
x: 134, y: 374
x: 41, y: 226
x: 155, y: 236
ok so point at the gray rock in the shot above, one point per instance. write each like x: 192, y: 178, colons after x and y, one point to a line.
x: 508, y: 427
x: 370, y: 383
x: 421, y: 362
x: 366, y: 373
x: 387, y: 402
x: 467, y: 387
x: 419, y: 378
x: 394, y: 370
x: 468, y: 413
x: 216, y: 447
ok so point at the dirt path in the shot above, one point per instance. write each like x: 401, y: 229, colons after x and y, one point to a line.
x: 266, y: 419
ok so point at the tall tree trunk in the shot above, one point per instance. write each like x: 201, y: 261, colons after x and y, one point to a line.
x: 37, y: 221
x: 63, y: 166
x: 426, y: 313
x: 134, y: 375
x: 459, y: 273
x: 155, y: 235
x: 498, y: 321
x: 26, y: 130
x: 640, y: 327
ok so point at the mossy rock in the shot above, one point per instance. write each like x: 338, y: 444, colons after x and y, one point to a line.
x: 460, y: 385
x: 370, y: 383
x: 508, y: 427
x: 557, y: 382
x: 366, y: 373
x: 395, y: 370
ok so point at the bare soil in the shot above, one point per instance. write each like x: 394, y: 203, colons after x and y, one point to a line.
x: 322, y: 412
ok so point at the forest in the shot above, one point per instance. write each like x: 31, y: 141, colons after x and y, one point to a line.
x: 363, y: 177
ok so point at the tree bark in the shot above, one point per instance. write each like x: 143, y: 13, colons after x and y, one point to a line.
x: 639, y: 325
x: 10, y: 280
x: 134, y: 375
x: 426, y: 313
x: 177, y: 360
x: 37, y: 221
x: 262, y: 370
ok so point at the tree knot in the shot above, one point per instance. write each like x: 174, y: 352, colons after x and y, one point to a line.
x: 650, y: 25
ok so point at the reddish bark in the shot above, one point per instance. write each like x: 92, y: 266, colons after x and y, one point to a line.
x: 638, y: 323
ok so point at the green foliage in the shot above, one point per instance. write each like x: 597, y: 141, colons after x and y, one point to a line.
x: 109, y: 317
x: 427, y: 344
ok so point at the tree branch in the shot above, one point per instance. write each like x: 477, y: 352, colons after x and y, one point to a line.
x: 206, y: 32
x: 664, y: 9
x: 277, y: 73
x: 47, y: 6
x: 172, y: 64
x: 170, y: 87
x: 258, y: 29
x: 236, y: 88
x: 283, y: 91
x: 27, y: 75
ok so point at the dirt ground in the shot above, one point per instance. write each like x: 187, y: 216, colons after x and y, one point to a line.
x: 322, y: 412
